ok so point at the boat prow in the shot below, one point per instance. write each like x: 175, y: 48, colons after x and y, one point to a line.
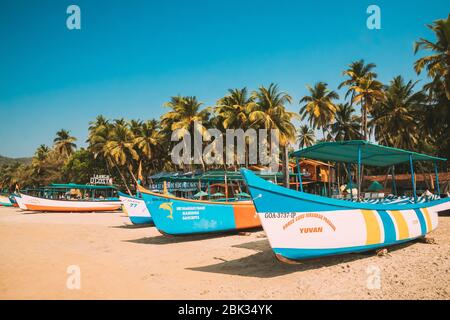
x: 136, y: 209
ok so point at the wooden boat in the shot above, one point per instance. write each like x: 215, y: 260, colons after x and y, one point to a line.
x: 5, y: 201
x: 301, y: 225
x: 52, y: 205
x: 136, y: 209
x: 19, y: 201
x: 177, y: 216
x: 72, y: 198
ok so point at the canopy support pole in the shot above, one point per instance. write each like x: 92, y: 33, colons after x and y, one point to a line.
x: 437, y: 178
x: 359, y: 172
x: 413, y: 180
x: 349, y: 166
x: 299, y: 173
x: 394, y: 185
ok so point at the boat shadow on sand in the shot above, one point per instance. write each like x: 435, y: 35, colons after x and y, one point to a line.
x: 133, y: 226
x: 264, y: 264
x: 169, y: 239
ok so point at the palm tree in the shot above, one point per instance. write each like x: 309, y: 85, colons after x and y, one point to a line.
x: 120, y: 147
x: 356, y: 71
x: 367, y: 92
x: 319, y: 106
x: 148, y: 140
x: 184, y: 114
x: 306, y: 137
x: 233, y: 112
x: 396, y: 119
x: 234, y: 109
x: 359, y: 75
x: 269, y: 113
x: 346, y: 125
x: 438, y: 63
x: 64, y: 143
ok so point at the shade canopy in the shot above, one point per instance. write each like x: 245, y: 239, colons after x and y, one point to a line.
x: 79, y: 186
x: 371, y: 154
x: 200, y: 194
x: 375, y: 186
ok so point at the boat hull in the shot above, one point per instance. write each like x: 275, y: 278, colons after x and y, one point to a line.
x: 302, y: 226
x: 20, y: 203
x: 178, y: 216
x: 51, y: 205
x: 5, y: 202
x: 136, y: 209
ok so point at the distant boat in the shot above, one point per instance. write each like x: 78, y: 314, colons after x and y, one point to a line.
x: 300, y: 225
x: 178, y: 216
x: 73, y: 198
x: 5, y: 201
x: 136, y: 209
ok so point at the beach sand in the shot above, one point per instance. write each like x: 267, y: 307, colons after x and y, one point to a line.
x: 120, y: 261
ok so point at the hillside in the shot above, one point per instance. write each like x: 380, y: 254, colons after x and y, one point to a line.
x: 6, y: 160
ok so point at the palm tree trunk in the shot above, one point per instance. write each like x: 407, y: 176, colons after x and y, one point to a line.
x: 123, y: 178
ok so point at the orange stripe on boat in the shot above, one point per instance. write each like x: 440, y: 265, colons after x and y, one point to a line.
x: 400, y: 222
x: 427, y: 219
x: 372, y: 227
x: 67, y: 209
x: 245, y: 216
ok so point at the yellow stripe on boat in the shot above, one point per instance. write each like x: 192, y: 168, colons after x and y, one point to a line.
x: 427, y: 219
x: 372, y: 227
x: 402, y: 225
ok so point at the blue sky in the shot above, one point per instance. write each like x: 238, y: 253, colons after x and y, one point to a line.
x: 131, y: 56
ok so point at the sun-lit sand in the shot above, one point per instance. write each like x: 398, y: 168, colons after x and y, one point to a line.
x: 119, y: 261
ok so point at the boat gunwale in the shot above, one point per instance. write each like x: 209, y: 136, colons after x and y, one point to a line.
x: 84, y: 201
x: 342, y: 204
x: 231, y: 203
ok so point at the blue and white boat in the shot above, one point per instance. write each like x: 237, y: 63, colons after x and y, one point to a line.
x: 300, y: 225
x: 136, y: 209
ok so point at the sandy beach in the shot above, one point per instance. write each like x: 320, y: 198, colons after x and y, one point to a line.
x: 121, y: 261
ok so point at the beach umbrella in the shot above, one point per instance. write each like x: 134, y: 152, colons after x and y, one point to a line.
x: 375, y: 186
x: 200, y: 194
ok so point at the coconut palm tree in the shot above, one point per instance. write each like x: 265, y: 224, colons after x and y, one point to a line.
x: 269, y: 113
x: 233, y: 112
x: 356, y: 71
x: 234, y: 109
x: 149, y: 141
x: 346, y: 125
x: 396, y: 119
x: 185, y: 113
x: 319, y: 107
x: 438, y: 63
x: 366, y: 93
x: 306, y: 137
x: 120, y: 147
x: 64, y: 143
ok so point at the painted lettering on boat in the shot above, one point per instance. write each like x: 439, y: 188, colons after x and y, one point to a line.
x: 311, y: 230
x: 309, y: 215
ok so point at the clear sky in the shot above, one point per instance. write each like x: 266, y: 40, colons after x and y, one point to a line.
x: 130, y: 56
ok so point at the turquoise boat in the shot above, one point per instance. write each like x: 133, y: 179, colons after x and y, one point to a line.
x: 300, y: 225
x: 227, y: 212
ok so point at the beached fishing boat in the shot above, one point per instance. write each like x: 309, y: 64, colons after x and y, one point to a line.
x: 73, y: 198
x: 177, y: 216
x: 19, y: 202
x: 136, y: 209
x: 5, y: 201
x: 301, y: 225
